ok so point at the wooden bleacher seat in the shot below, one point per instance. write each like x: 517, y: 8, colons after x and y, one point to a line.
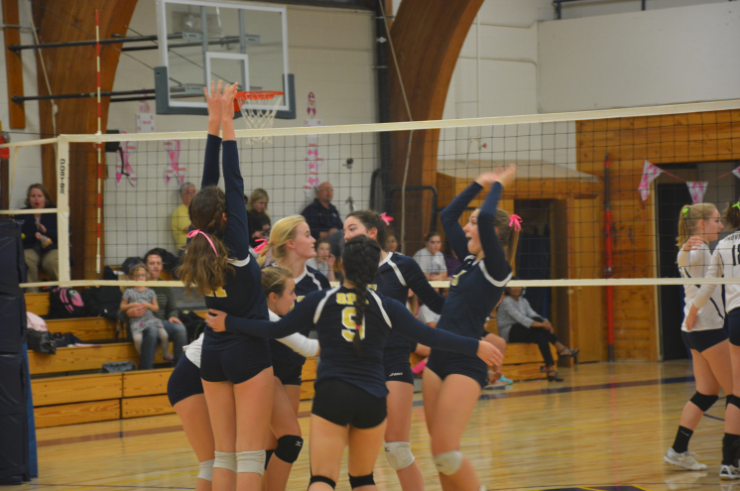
x: 75, y: 359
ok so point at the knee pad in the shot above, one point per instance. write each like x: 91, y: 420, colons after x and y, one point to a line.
x: 734, y: 400
x: 288, y: 448
x: 728, y: 400
x: 206, y: 470
x: 448, y: 463
x: 268, y: 454
x: 225, y: 460
x: 399, y: 455
x: 252, y: 461
x: 356, y: 482
x: 322, y: 479
x: 702, y: 401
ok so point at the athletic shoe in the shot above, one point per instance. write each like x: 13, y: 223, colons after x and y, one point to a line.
x: 729, y: 472
x: 685, y: 460
x: 507, y: 380
x: 498, y: 384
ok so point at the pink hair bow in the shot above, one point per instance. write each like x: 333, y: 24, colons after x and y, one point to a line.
x: 515, y: 221
x: 386, y: 218
x: 193, y: 233
x: 260, y: 247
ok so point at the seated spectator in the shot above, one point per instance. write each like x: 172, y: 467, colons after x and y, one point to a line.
x: 39, y: 235
x: 430, y: 259
x: 181, y: 215
x: 324, y: 261
x: 167, y: 313
x: 519, y: 323
x: 391, y: 242
x: 138, y: 298
x: 259, y: 220
x: 322, y: 216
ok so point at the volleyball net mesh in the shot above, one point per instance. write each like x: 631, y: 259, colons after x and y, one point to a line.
x: 577, y: 227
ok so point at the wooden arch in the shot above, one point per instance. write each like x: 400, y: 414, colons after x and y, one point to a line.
x: 73, y: 70
x: 428, y: 36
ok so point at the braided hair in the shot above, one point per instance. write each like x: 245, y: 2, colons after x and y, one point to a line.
x: 360, y: 259
x: 201, y: 268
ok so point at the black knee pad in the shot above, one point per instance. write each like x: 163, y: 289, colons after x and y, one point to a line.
x: 288, y: 448
x: 322, y: 479
x: 268, y: 454
x: 734, y: 400
x: 356, y: 482
x: 702, y: 401
x: 728, y: 399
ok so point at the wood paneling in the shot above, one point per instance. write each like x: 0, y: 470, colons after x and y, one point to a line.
x: 146, y: 382
x: 84, y: 412
x: 37, y: 303
x: 78, y: 388
x: 73, y: 70
x: 137, y: 407
x: 13, y: 64
x: 85, y: 328
x: 427, y: 36
x: 84, y: 358
x: 518, y: 353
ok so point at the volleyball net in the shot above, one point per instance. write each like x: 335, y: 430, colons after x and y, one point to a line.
x: 599, y: 193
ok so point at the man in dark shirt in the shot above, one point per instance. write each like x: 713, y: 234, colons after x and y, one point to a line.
x: 321, y: 215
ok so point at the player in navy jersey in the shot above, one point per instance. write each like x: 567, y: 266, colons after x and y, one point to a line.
x: 290, y: 246
x: 353, y: 323
x: 236, y: 369
x: 396, y: 275
x: 452, y: 382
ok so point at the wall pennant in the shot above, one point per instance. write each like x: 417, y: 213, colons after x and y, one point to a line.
x: 697, y: 190
x: 174, y: 169
x: 649, y: 173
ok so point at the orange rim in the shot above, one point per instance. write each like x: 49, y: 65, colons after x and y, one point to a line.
x: 254, y: 95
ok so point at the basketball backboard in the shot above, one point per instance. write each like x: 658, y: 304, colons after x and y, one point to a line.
x: 204, y: 41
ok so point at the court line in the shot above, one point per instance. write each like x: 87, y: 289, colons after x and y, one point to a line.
x: 419, y: 403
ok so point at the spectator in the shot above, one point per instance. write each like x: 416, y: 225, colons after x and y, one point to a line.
x: 136, y: 298
x: 321, y: 215
x: 181, y: 215
x: 430, y: 259
x: 391, y: 242
x: 167, y: 313
x: 324, y: 260
x: 259, y: 220
x: 39, y: 233
x: 519, y: 323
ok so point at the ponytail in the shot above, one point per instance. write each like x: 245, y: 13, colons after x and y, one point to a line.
x: 361, y: 257
x: 732, y: 215
x: 689, y: 218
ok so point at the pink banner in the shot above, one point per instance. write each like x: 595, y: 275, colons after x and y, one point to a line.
x: 697, y: 190
x: 123, y: 166
x: 649, y: 173
x: 174, y: 170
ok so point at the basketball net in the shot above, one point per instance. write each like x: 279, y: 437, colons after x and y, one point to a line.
x: 258, y: 118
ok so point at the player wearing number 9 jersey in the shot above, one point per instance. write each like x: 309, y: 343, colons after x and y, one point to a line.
x: 352, y: 322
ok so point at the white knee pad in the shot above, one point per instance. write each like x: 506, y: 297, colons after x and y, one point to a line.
x: 252, y: 461
x: 448, y: 463
x: 206, y: 470
x: 225, y: 460
x: 399, y: 455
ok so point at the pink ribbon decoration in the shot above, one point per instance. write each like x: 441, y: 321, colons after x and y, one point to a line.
x: 697, y: 190
x: 649, y: 173
x: 174, y: 170
x: 386, y: 218
x: 123, y: 166
x: 260, y: 247
x: 195, y: 232
x: 515, y: 221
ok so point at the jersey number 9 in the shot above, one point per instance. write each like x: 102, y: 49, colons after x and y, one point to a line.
x: 350, y: 327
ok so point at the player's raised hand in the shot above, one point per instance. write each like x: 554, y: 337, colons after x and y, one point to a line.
x: 227, y: 101
x: 506, y: 175
x: 213, y: 98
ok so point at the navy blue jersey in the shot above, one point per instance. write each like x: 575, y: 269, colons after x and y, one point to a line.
x: 478, y: 285
x: 332, y: 314
x: 310, y: 281
x: 242, y: 293
x: 396, y: 275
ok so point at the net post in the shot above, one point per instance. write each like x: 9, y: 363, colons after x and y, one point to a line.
x: 63, y: 209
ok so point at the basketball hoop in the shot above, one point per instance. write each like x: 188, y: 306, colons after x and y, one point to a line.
x: 262, y: 118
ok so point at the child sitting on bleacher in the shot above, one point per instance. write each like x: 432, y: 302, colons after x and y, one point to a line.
x: 141, y: 295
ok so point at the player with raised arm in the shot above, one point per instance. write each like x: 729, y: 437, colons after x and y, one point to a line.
x: 353, y: 323
x: 236, y: 369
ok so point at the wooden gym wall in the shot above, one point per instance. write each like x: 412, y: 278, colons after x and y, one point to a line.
x: 427, y: 36
x: 73, y: 70
x: 684, y: 138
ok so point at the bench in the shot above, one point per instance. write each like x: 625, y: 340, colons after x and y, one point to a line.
x: 77, y: 359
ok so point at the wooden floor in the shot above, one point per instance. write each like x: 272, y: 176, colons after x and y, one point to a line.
x: 606, y: 425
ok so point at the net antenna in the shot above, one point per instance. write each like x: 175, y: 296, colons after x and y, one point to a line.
x: 258, y: 107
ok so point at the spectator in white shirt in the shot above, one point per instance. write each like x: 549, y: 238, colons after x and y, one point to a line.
x: 430, y: 258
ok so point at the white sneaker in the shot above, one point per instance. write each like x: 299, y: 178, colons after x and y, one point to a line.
x: 684, y: 460
x: 729, y: 472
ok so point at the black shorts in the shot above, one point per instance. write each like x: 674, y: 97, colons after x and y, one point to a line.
x: 237, y: 363
x: 184, y: 381
x: 703, y: 340
x: 398, y: 365
x: 288, y: 373
x: 733, y: 325
x: 343, y: 404
x: 445, y: 363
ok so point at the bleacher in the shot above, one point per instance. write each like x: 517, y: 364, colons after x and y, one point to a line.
x: 63, y: 393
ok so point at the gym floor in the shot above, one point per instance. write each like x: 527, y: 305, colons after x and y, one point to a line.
x: 605, y: 428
